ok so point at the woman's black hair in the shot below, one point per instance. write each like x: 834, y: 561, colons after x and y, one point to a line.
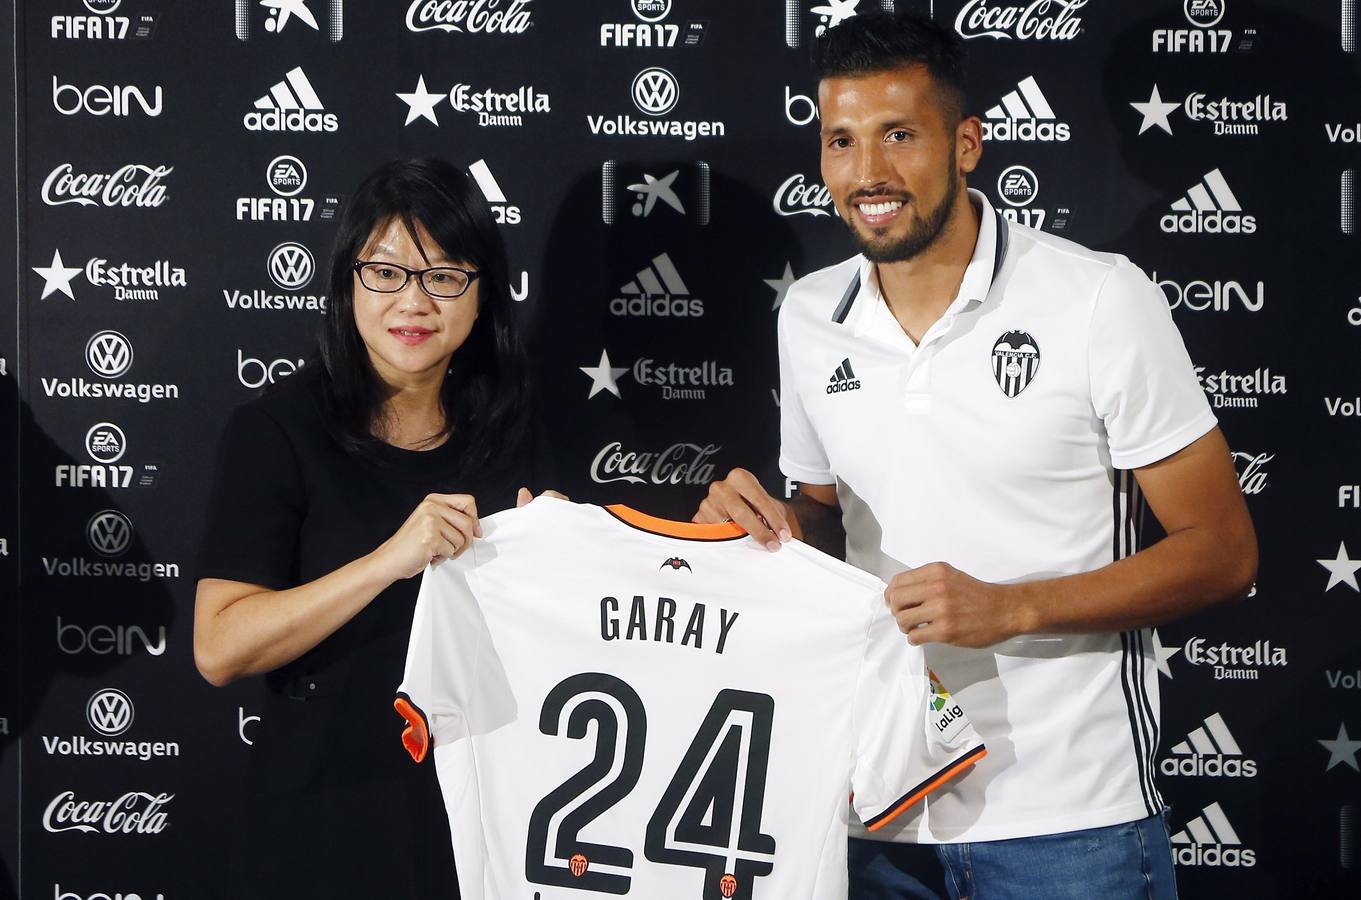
x: 486, y: 395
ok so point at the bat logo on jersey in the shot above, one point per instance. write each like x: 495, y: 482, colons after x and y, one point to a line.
x: 578, y: 864
x: 1015, y: 360
x: 675, y: 563
x: 727, y: 885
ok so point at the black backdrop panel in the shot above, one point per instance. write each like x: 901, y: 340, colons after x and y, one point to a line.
x: 177, y: 171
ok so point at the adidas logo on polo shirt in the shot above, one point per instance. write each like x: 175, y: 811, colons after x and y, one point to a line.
x: 1024, y: 115
x: 291, y: 105
x: 1209, y: 840
x: 1209, y: 207
x: 1209, y: 751
x: 843, y: 379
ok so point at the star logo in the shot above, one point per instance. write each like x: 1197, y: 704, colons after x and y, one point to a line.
x: 1342, y: 749
x: 1341, y: 569
x: 604, y: 377
x: 833, y: 13
x: 653, y: 189
x: 1155, y: 112
x: 781, y: 285
x: 420, y: 103
x: 1163, y: 654
x: 57, y: 277
x: 281, y: 12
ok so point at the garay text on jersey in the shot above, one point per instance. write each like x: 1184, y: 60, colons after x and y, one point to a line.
x: 662, y: 612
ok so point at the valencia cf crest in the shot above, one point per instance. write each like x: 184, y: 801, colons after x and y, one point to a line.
x: 675, y: 563
x: 1015, y: 360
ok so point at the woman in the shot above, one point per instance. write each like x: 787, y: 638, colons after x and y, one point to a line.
x: 333, y: 491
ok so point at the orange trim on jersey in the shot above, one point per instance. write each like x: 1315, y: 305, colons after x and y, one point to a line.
x: 922, y: 790
x: 690, y: 531
x: 416, y: 735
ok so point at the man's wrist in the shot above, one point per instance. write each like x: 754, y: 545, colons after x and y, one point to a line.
x: 1027, y: 608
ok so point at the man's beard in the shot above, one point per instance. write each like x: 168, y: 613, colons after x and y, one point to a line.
x: 921, y: 234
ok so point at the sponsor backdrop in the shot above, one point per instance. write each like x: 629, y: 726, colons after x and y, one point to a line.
x: 654, y: 166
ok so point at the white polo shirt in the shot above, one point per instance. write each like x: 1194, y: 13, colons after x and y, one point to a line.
x: 1002, y: 445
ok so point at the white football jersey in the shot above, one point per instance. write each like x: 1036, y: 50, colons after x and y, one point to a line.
x: 623, y: 705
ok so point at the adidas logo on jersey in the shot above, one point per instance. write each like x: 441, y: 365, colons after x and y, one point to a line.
x: 291, y: 105
x: 843, y: 379
x: 1024, y: 115
x: 1209, y: 840
x: 1209, y: 207
x: 657, y: 291
x: 1209, y: 751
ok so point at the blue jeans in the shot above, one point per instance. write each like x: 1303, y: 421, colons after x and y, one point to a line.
x: 1117, y: 862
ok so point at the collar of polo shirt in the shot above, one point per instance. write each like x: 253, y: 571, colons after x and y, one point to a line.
x: 989, y: 253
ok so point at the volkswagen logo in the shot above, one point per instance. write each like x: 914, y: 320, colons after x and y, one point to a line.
x: 291, y: 265
x: 286, y: 175
x: 108, y: 354
x: 655, y: 91
x: 109, y: 712
x: 1018, y: 186
x: 105, y: 443
x: 109, y: 532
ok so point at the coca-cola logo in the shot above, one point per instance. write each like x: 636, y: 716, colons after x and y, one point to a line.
x: 472, y: 16
x: 796, y: 197
x: 677, y: 464
x: 131, y: 185
x: 136, y: 812
x: 1040, y: 20
x: 1252, y: 473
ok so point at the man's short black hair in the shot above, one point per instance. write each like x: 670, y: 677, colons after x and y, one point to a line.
x: 876, y: 42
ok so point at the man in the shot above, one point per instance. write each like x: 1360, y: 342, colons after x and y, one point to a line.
x: 981, y: 406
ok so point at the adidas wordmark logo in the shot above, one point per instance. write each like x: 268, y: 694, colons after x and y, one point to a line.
x: 291, y: 105
x: 1210, y: 751
x: 1209, y: 207
x: 1209, y: 840
x: 1024, y: 115
x: 657, y: 291
x: 843, y: 379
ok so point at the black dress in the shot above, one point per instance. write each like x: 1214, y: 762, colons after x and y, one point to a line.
x: 332, y: 804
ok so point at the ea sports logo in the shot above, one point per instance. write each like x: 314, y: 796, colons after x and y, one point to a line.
x: 105, y: 443
x: 287, y: 176
x: 651, y: 10
x: 109, y: 712
x: 1203, y: 13
x: 109, y: 533
x: 291, y: 265
x: 108, y: 354
x: 655, y: 91
x: 1018, y: 186
x: 102, y: 7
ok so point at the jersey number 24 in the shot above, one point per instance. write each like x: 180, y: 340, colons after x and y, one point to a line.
x: 709, y: 816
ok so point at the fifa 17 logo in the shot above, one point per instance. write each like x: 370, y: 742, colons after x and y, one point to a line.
x: 1349, y: 495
